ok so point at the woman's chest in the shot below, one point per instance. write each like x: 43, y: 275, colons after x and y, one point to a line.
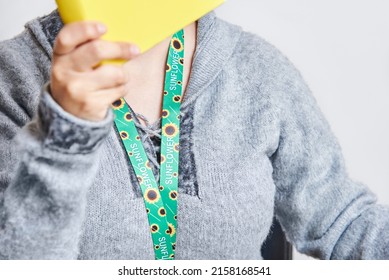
x: 225, y: 203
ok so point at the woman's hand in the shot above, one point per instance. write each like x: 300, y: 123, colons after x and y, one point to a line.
x: 78, y: 83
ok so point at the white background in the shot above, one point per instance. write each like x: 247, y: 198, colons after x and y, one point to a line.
x: 342, y: 50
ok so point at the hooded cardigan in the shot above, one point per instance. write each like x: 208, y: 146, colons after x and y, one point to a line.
x: 254, y: 144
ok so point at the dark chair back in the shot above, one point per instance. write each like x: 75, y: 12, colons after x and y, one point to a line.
x: 276, y: 247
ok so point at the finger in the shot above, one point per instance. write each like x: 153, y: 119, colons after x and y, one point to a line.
x: 104, y: 77
x: 87, y: 56
x: 108, y: 96
x: 75, y: 34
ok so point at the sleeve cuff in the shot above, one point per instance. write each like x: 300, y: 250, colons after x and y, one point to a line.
x: 67, y: 133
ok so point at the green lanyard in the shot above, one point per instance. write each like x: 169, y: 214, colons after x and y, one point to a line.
x: 160, y: 200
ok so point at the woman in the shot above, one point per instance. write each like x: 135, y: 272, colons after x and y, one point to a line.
x: 253, y: 144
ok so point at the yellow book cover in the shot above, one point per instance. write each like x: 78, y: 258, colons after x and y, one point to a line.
x: 142, y: 22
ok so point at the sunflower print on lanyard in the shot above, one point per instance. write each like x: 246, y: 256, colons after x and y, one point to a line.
x: 160, y: 199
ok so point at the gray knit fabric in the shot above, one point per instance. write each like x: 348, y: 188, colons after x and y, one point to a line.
x: 254, y: 144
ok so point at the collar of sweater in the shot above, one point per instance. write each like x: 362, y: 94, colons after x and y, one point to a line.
x: 216, y: 42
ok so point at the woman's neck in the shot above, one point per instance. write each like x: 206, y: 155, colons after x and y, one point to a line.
x: 147, y: 73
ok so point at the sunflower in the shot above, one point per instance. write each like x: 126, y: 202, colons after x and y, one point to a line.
x: 172, y: 229
x: 118, y: 104
x: 124, y: 135
x: 128, y: 117
x: 177, y: 98
x: 152, y: 195
x: 165, y: 113
x: 162, y: 212
x: 170, y: 130
x: 173, y: 195
x: 168, y: 68
x: 154, y: 228
x: 177, y: 45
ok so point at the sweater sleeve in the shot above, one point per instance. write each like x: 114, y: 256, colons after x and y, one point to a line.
x: 47, y: 164
x: 324, y: 213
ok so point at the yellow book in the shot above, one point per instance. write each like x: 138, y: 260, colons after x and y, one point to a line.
x: 142, y: 22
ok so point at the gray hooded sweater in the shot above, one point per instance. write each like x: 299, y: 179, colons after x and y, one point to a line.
x: 253, y: 144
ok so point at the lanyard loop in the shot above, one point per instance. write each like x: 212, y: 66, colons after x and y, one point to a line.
x: 160, y: 199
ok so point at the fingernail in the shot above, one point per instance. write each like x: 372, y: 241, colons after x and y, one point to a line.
x: 134, y: 50
x: 101, y: 28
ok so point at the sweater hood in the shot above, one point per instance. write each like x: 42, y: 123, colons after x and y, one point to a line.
x: 216, y: 42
